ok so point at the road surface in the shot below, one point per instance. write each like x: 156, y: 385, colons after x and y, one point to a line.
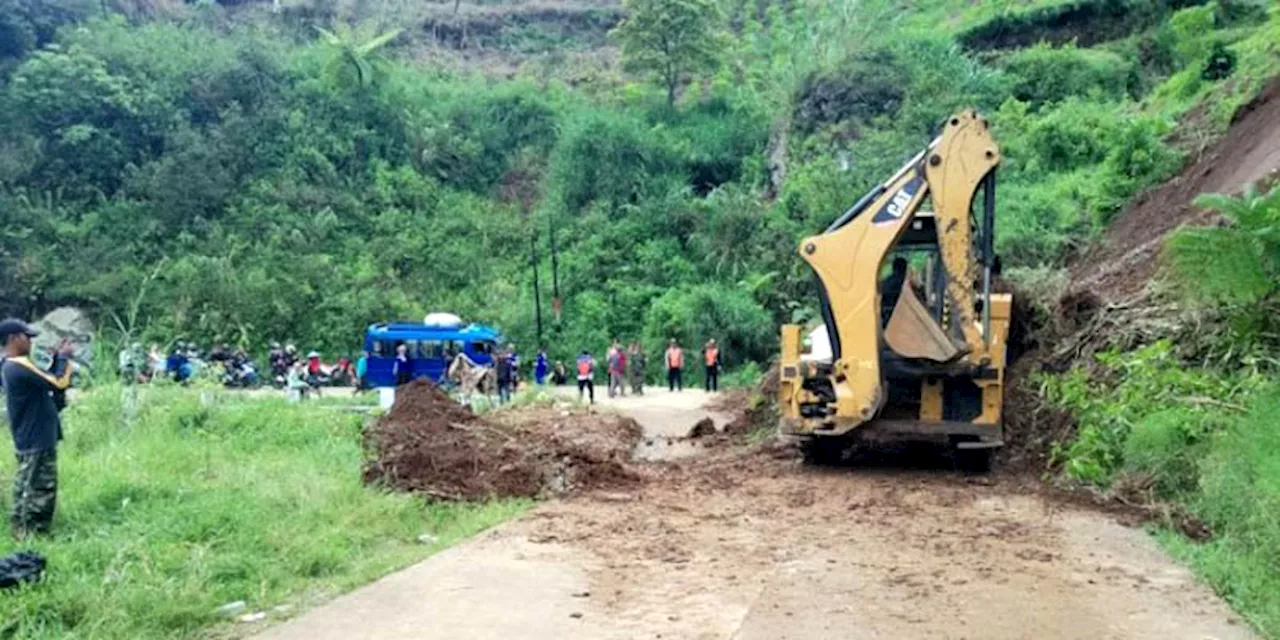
x: 726, y: 543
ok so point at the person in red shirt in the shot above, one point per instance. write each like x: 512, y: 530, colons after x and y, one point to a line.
x: 617, y: 361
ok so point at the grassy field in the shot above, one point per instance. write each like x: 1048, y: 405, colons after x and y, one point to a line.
x: 198, y: 504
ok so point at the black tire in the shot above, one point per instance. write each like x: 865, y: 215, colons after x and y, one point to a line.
x: 824, y: 451
x: 974, y: 460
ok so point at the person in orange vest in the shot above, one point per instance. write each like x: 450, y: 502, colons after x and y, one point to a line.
x: 586, y: 375
x: 711, y: 354
x: 675, y: 366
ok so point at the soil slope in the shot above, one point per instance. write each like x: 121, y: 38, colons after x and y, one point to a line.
x: 1127, y: 257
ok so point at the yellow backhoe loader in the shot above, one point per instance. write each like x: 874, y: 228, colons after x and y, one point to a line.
x: 919, y: 354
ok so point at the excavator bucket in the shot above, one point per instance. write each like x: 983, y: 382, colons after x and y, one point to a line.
x: 913, y: 333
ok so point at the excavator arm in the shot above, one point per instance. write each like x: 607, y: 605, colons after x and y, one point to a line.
x: 847, y: 259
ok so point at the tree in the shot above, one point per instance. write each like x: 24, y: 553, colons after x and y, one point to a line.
x: 356, y: 60
x: 671, y: 39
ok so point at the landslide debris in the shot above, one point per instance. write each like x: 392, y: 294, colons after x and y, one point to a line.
x: 428, y: 443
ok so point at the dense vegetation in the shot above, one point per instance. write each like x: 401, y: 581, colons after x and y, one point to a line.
x: 287, y: 177
x: 1192, y: 422
x: 195, y: 505
x: 229, y: 173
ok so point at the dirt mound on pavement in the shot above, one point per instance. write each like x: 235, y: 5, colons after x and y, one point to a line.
x: 428, y: 443
x: 1127, y: 257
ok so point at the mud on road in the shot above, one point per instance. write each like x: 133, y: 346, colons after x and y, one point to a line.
x: 738, y: 542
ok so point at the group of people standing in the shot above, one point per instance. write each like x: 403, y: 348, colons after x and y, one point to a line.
x: 674, y: 358
x: 627, y: 367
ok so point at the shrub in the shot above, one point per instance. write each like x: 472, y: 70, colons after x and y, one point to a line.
x: 1158, y: 449
x: 713, y: 139
x: 480, y: 138
x: 1238, y: 498
x: 612, y: 159
x: 1234, y: 267
x: 1045, y: 74
x: 1150, y: 393
x: 692, y: 315
x: 1219, y: 63
x: 1085, y: 21
x: 863, y: 87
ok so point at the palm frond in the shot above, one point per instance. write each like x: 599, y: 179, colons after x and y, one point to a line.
x: 1219, y: 265
x: 329, y: 37
x: 378, y: 42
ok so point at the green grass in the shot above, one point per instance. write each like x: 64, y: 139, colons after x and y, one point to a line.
x: 1239, y: 497
x: 1203, y: 439
x: 195, y: 506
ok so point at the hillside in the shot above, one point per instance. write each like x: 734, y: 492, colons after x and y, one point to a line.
x: 575, y: 172
x: 215, y: 158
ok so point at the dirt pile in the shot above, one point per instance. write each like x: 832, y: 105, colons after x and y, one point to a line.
x: 430, y: 444
x: 749, y: 409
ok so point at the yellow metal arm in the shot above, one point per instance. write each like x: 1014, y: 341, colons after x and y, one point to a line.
x: 848, y: 257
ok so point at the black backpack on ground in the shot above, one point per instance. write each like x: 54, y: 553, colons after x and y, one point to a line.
x: 17, y: 568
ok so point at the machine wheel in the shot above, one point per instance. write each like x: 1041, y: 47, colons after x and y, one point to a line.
x: 974, y: 460
x: 824, y: 451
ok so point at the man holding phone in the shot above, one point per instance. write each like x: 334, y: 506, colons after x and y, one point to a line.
x: 34, y: 397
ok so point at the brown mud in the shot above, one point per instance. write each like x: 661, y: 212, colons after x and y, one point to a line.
x: 429, y: 443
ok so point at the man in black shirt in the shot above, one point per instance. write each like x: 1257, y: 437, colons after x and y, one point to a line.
x: 506, y: 372
x: 33, y: 397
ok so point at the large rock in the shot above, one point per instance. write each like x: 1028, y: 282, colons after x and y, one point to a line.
x: 69, y: 323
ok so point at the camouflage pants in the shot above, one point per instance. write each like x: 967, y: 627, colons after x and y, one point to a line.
x: 35, y: 491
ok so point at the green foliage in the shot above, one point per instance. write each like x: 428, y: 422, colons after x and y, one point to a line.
x: 612, y: 160
x: 1147, y: 395
x: 1191, y: 29
x: 671, y: 39
x: 1087, y: 22
x: 92, y: 118
x: 1239, y: 493
x: 1201, y: 438
x: 696, y: 314
x: 285, y: 189
x: 1238, y: 263
x: 1219, y: 62
x: 745, y: 377
x: 355, y: 61
x: 868, y: 85
x: 1046, y: 74
x: 26, y: 25
x: 1234, y: 267
x: 196, y: 505
x: 478, y: 141
x: 1074, y: 135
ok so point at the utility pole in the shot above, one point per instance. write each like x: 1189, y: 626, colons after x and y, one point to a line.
x: 556, y: 301
x: 537, y: 290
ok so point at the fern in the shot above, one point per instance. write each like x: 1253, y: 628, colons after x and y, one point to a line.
x: 1238, y: 263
